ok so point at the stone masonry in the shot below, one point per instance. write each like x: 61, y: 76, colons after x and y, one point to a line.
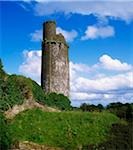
x: 55, y: 61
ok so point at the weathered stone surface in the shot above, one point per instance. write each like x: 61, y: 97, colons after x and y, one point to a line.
x: 28, y: 104
x: 55, y: 61
x: 26, y: 145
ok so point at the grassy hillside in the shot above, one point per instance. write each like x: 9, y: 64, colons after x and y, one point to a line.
x: 15, y: 89
x: 66, y: 129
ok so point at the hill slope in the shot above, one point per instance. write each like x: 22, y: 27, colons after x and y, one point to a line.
x: 67, y: 130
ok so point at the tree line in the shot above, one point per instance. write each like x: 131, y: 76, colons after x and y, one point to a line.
x: 123, y: 111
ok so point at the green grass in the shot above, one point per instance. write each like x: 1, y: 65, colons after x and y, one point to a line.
x: 67, y: 130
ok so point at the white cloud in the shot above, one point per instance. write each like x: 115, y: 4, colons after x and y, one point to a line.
x: 69, y: 35
x: 113, y: 64
x: 31, y: 66
x: 107, y: 89
x: 85, y: 96
x: 114, y: 9
x: 36, y: 36
x: 105, y: 84
x: 101, y: 88
x: 80, y: 67
x: 94, y: 32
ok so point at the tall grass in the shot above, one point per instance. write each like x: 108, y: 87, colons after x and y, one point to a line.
x: 67, y: 130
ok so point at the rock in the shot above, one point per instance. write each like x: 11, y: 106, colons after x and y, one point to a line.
x: 28, y: 104
x: 26, y: 145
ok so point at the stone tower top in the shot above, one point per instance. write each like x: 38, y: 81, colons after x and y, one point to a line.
x: 49, y: 30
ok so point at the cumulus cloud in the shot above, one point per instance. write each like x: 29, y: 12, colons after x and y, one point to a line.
x: 105, y: 84
x: 36, y: 36
x: 79, y: 67
x: 113, y: 64
x: 31, y: 66
x: 85, y: 96
x: 69, y: 35
x: 101, y: 88
x: 114, y: 9
x: 94, y: 32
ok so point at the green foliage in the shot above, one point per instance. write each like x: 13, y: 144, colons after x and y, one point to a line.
x: 5, y: 136
x: 124, y: 111
x: 90, y: 108
x: 58, y: 100
x: 52, y: 99
x: 119, y: 138
x: 13, y: 91
x: 1, y: 65
x: 15, y: 88
x: 2, y: 72
x: 68, y: 130
x: 38, y: 93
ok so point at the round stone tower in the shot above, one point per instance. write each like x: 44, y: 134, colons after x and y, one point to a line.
x: 49, y: 30
x: 55, y: 61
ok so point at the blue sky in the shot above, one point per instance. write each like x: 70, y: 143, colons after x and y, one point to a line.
x: 100, y: 36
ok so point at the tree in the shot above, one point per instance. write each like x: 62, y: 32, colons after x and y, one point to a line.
x: 1, y: 65
x: 84, y: 107
x: 2, y: 72
x: 129, y: 112
x: 90, y: 108
x: 100, y: 107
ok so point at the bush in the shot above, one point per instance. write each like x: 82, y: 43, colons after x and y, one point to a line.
x: 5, y: 136
x: 38, y: 93
x: 2, y: 72
x: 120, y: 138
x: 123, y: 111
x: 52, y: 99
x: 13, y: 91
x: 58, y: 100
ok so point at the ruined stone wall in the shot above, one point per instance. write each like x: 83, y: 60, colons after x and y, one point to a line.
x: 55, y: 63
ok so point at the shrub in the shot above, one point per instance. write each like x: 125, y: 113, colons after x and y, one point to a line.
x: 38, y: 93
x: 13, y: 91
x: 2, y: 72
x: 52, y: 99
x: 58, y: 100
x: 5, y: 136
x: 124, y: 111
x: 15, y: 88
x: 120, y: 138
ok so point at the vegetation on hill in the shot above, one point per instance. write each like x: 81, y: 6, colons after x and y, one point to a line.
x: 51, y: 99
x: 5, y: 136
x: 58, y: 100
x: 123, y: 111
x: 2, y: 72
x: 89, y: 127
x: 68, y: 130
x: 14, y: 89
x: 121, y: 135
